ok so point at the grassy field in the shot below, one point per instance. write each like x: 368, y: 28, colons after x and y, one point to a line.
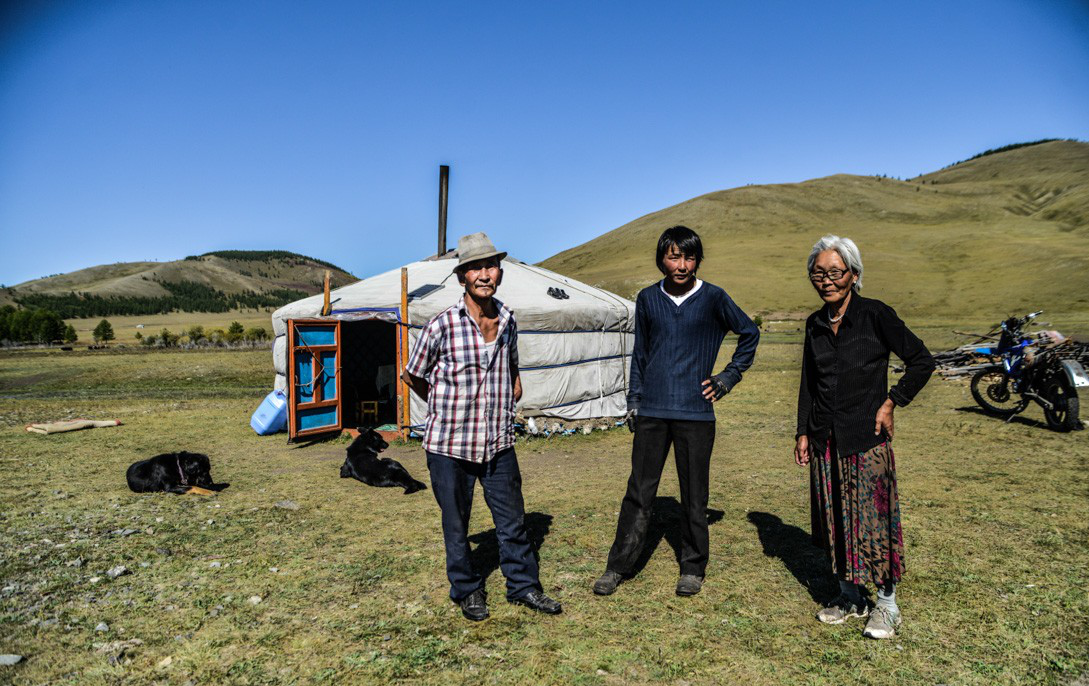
x: 351, y: 585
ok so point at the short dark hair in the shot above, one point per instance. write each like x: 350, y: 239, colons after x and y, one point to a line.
x: 687, y: 241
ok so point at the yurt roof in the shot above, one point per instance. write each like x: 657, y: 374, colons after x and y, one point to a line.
x: 433, y: 287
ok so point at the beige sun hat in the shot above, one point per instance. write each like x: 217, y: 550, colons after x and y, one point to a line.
x: 476, y: 246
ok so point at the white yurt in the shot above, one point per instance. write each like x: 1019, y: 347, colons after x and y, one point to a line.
x: 574, y: 346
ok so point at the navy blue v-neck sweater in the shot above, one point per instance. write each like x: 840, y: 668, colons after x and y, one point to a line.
x: 675, y: 351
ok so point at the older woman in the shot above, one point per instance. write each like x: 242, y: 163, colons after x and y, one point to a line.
x: 845, y: 430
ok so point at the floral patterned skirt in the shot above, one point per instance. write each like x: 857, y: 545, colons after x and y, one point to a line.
x: 856, y: 514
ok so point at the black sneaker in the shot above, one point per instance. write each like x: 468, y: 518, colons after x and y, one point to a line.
x: 475, y: 605
x: 536, y: 600
x: 689, y: 584
x: 607, y: 583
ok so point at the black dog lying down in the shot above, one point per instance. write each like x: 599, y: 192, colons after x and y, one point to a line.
x: 363, y: 464
x: 173, y: 473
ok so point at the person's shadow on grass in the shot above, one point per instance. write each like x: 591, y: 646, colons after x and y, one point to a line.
x: 484, y: 554
x: 666, y: 521
x: 808, y: 563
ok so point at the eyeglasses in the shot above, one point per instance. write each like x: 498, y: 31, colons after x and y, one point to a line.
x: 831, y: 275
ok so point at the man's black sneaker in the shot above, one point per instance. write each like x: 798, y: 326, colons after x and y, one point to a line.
x: 475, y: 605
x: 536, y: 600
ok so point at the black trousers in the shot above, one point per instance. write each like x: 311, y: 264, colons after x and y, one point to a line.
x: 692, y: 443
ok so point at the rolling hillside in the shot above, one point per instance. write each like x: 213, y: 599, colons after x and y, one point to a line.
x: 1004, y: 232
x: 271, y: 273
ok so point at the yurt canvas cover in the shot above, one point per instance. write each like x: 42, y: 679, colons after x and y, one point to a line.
x: 574, y: 351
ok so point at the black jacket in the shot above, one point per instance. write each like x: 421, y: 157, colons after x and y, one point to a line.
x: 845, y: 376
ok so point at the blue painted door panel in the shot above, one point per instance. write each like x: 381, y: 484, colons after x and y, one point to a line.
x: 314, y: 377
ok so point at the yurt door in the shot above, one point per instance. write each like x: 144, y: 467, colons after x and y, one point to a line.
x: 313, y: 376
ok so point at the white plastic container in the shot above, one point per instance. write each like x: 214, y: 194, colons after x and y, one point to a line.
x: 271, y: 415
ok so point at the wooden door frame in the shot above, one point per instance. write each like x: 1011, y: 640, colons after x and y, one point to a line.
x: 315, y: 350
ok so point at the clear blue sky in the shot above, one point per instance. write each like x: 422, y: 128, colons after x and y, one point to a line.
x: 153, y: 130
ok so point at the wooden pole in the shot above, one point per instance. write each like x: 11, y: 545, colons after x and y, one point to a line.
x: 406, y: 400
x: 444, y: 186
x: 326, y: 308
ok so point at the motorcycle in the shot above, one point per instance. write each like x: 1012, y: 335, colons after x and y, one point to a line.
x: 1044, y: 376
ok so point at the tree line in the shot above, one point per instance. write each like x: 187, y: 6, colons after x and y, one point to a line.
x: 22, y: 327
x: 185, y: 296
x: 264, y: 256
x: 1007, y: 148
x: 34, y: 326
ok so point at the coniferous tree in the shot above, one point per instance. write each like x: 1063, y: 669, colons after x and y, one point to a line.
x: 70, y: 335
x: 5, y: 322
x: 21, y: 330
x: 103, y: 333
x: 47, y: 327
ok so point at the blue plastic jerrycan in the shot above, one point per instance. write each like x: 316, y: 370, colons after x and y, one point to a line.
x: 271, y: 415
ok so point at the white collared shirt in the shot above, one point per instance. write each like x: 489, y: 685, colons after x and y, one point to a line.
x: 681, y: 298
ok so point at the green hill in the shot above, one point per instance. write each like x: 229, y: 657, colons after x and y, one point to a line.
x: 234, y: 278
x: 1002, y: 232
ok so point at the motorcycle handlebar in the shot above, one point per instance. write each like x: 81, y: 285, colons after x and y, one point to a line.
x: 1023, y: 320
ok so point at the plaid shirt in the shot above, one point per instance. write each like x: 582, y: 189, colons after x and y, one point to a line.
x: 470, y: 409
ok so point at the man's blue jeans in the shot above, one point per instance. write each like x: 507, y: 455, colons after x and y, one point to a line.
x: 453, y: 482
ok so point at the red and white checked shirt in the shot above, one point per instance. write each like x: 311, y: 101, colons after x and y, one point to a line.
x: 470, y: 409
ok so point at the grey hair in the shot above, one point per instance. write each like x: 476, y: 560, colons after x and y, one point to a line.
x: 845, y: 248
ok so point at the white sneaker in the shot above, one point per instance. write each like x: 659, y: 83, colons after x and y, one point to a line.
x: 883, y: 623
x: 841, y: 609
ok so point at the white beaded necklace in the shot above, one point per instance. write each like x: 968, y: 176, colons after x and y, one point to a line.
x: 835, y: 320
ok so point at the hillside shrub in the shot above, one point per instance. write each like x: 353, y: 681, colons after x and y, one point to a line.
x: 235, y: 332
x: 256, y: 334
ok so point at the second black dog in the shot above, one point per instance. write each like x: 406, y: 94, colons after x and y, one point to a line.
x: 181, y: 472
x: 363, y: 464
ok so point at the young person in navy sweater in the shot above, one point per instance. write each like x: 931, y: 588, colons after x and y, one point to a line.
x: 680, y: 323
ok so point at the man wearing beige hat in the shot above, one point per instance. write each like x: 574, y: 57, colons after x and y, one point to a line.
x: 465, y: 365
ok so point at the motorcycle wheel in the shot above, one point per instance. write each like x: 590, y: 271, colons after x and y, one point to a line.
x: 991, y: 388
x: 1064, y: 403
